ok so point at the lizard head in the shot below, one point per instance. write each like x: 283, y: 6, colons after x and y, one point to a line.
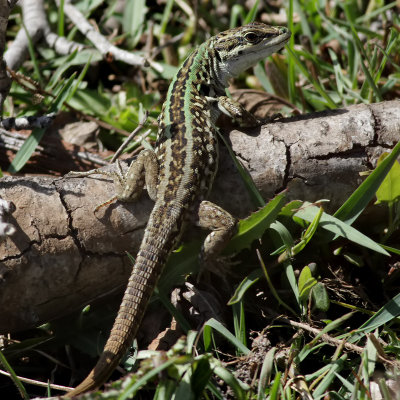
x: 241, y: 48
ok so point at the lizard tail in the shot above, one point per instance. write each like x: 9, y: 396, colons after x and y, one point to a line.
x: 143, y: 279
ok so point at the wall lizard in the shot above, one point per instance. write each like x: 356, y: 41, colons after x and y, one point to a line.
x: 180, y: 172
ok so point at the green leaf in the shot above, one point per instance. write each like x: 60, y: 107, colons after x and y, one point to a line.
x: 333, y: 325
x: 391, y: 249
x: 360, y: 198
x: 251, y: 14
x: 389, y: 191
x: 236, y: 12
x: 133, y: 19
x: 265, y: 374
x: 31, y: 49
x: 309, y: 233
x: 370, y: 354
x: 386, y: 314
x: 92, y: 102
x: 201, y: 376
x: 76, y: 58
x: 321, y: 91
x: 166, y: 17
x: 213, y: 323
x: 306, y: 282
x: 14, y: 377
x: 246, y: 283
x: 283, y: 232
x: 274, y: 292
x: 34, y: 138
x: 230, y: 380
x: 274, y: 392
x: 63, y: 94
x: 26, y: 150
x: 207, y: 337
x: 320, y: 297
x: 74, y: 88
x: 336, y: 366
x: 289, y: 272
x: 130, y: 389
x: 253, y: 227
x: 360, y: 47
x: 259, y: 72
x: 183, y: 391
x: 239, y: 322
x: 61, y: 21
x: 338, y: 227
x: 340, y: 79
x: 244, y: 174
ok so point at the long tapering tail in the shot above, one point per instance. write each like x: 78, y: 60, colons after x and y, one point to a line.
x: 146, y: 271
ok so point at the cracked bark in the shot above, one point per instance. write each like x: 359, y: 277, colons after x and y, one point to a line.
x: 63, y: 256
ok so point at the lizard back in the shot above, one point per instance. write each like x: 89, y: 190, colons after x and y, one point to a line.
x: 187, y: 155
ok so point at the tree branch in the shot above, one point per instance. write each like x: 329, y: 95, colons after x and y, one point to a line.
x: 63, y: 256
x: 37, y: 26
x: 101, y: 43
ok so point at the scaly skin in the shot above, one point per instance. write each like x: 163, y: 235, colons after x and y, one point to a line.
x: 187, y: 160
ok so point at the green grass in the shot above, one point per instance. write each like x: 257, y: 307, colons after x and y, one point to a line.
x: 295, y: 265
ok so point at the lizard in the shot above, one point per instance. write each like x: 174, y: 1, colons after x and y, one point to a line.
x: 179, y: 173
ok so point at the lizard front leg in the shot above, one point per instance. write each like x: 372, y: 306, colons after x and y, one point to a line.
x: 129, y: 185
x: 240, y: 115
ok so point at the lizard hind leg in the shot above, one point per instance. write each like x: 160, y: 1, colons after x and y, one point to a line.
x: 222, y: 225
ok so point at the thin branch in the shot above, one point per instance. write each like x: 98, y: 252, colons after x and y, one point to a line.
x: 31, y: 122
x: 337, y: 342
x: 130, y: 137
x: 37, y: 90
x: 60, y: 44
x: 38, y: 383
x: 35, y: 21
x: 101, y: 43
x: 13, y: 141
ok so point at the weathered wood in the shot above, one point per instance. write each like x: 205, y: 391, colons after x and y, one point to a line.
x: 63, y: 256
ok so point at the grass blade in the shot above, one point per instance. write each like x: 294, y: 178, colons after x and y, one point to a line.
x: 360, y: 198
x: 386, y: 314
x: 338, y: 227
x: 26, y: 150
x: 265, y: 374
x: 61, y: 20
x: 248, y: 181
x: 322, y: 92
x: 253, y: 227
x: 13, y: 376
x: 213, y: 323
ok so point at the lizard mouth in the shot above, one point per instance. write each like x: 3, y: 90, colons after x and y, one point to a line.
x: 283, y: 39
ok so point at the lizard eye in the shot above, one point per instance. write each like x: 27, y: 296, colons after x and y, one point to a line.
x: 251, y: 37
